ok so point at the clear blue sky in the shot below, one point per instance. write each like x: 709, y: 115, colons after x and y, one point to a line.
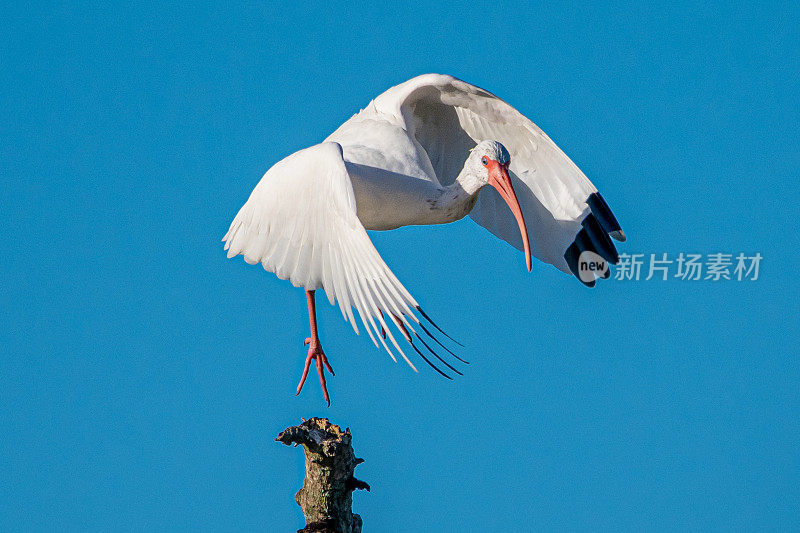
x: 143, y: 376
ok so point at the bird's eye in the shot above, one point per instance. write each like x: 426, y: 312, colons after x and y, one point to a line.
x: 484, y: 161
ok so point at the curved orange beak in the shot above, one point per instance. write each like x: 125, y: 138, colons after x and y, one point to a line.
x: 500, y: 180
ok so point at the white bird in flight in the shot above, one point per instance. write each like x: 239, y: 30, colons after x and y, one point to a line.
x: 422, y: 152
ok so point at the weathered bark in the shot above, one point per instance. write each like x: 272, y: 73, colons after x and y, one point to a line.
x: 326, y: 496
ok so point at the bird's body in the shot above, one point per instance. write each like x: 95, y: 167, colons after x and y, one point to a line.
x: 421, y: 153
x: 393, y: 180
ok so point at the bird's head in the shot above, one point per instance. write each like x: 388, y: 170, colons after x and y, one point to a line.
x: 489, y: 162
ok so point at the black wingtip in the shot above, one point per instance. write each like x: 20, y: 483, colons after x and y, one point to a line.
x: 428, y: 361
x: 599, y: 238
x: 604, y: 215
x: 448, y: 365
x: 597, y: 229
x: 571, y: 256
x: 425, y: 315
x: 437, y: 341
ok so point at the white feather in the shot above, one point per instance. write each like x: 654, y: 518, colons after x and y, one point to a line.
x: 447, y: 117
x: 388, y: 166
x: 301, y: 223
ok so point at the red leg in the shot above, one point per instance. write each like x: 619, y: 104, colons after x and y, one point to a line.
x: 315, y: 351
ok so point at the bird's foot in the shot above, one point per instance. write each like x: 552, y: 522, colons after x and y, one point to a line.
x: 316, y: 354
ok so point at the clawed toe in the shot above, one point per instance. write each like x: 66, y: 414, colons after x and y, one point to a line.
x: 316, y: 354
x: 327, y: 364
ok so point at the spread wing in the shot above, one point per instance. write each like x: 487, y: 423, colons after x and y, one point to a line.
x: 300, y: 222
x: 564, y: 213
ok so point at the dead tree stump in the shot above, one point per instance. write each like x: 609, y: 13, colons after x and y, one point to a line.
x: 326, y: 497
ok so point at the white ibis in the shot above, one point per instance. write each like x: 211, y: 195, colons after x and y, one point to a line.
x: 422, y: 152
